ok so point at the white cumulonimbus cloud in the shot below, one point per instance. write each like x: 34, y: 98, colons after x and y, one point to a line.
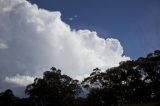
x: 37, y: 39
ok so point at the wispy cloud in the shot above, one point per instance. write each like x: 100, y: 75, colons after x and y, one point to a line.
x: 73, y: 18
x: 20, y: 80
x: 3, y: 46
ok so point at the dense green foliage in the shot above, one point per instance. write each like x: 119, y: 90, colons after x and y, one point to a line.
x: 132, y: 82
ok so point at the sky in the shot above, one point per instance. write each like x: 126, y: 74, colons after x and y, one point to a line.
x: 135, y: 23
x: 74, y: 36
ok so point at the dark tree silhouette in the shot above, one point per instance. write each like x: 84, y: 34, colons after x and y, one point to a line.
x: 7, y: 98
x: 54, y: 89
x: 131, y: 82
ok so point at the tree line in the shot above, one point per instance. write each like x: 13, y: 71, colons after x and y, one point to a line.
x: 133, y: 81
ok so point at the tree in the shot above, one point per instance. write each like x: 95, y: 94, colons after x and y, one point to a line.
x: 131, y: 82
x: 54, y: 89
x: 7, y: 98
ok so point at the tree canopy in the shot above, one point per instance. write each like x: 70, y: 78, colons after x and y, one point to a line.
x: 133, y: 81
x: 54, y: 89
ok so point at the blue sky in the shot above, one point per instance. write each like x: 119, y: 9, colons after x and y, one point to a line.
x: 136, y: 23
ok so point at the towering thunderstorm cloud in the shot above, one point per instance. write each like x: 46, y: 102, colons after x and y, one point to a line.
x: 32, y: 40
